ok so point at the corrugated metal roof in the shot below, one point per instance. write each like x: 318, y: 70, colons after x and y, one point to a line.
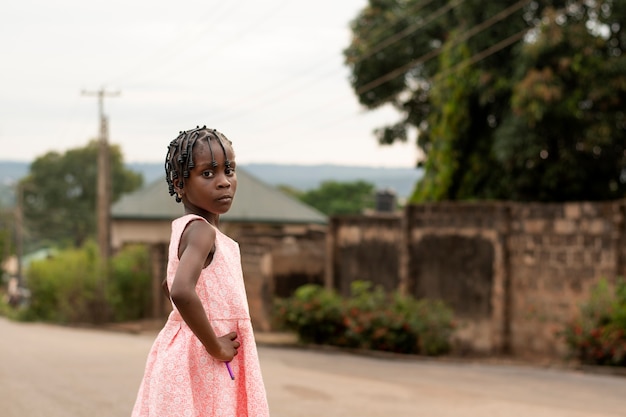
x: 255, y: 201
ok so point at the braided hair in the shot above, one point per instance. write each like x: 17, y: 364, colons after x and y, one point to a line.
x: 179, y: 158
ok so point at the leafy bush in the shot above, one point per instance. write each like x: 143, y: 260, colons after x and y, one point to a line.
x: 71, y: 287
x: 368, y: 319
x: 65, y: 288
x: 129, y: 291
x: 598, y: 335
x: 7, y: 310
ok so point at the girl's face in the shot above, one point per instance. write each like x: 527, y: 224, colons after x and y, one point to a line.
x: 209, y: 190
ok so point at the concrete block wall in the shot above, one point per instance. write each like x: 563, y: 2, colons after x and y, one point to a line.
x: 457, y: 253
x: 515, y: 273
x: 557, y: 252
x: 364, y: 248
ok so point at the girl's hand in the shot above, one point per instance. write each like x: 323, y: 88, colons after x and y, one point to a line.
x: 226, y: 347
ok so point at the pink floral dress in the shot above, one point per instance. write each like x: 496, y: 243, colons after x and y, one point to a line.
x: 181, y: 378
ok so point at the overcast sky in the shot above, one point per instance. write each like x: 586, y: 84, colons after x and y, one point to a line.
x: 269, y: 74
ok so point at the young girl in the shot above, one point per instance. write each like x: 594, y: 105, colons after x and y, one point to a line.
x: 204, y: 361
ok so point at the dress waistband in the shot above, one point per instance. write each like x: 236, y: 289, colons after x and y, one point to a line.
x: 176, y: 317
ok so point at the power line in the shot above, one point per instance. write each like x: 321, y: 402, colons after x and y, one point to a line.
x: 424, y: 58
x: 473, y: 59
x: 430, y: 55
x: 275, y: 99
x: 406, y: 32
x: 389, y: 24
x: 176, y: 68
x: 264, y: 101
x: 483, y: 54
x: 470, y: 61
x: 173, y: 47
x: 383, y: 44
x: 241, y: 33
x: 327, y: 74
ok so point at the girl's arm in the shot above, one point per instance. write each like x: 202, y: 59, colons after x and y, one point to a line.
x: 196, y: 243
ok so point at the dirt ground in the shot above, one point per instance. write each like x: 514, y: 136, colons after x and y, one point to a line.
x: 56, y: 371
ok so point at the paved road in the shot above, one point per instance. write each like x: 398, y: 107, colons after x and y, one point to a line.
x: 61, y: 372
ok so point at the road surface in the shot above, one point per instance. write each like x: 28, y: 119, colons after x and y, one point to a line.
x: 55, y: 371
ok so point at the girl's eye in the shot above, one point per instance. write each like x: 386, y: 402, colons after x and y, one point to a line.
x: 230, y: 171
x: 207, y: 174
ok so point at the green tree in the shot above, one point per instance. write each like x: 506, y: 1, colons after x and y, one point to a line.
x: 289, y: 190
x: 7, y: 231
x: 510, y: 99
x: 565, y: 135
x: 333, y: 197
x: 60, y: 193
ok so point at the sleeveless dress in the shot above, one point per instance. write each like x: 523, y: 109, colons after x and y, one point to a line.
x: 181, y: 378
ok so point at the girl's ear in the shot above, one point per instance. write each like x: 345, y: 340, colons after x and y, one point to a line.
x: 179, y: 191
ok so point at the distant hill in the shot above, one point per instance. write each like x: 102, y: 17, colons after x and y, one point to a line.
x: 11, y: 171
x: 307, y: 177
x: 301, y: 177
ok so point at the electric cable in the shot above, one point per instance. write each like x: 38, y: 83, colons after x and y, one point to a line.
x: 173, y: 48
x: 385, y: 43
x: 430, y: 55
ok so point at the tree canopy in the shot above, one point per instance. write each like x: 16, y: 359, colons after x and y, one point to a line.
x: 59, y: 193
x: 521, y: 100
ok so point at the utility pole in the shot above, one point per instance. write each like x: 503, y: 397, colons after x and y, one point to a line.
x: 103, y: 203
x: 19, y: 231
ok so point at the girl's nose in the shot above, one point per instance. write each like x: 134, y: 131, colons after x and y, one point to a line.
x: 223, y: 181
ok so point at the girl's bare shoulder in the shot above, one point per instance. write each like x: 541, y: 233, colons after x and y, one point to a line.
x: 198, y: 234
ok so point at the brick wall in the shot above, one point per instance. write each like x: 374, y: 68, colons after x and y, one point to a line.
x: 364, y: 249
x: 514, y: 273
x: 557, y: 253
x: 276, y: 260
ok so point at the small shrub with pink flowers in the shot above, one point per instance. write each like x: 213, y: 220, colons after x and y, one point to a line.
x: 313, y: 312
x: 598, y: 335
x: 368, y: 319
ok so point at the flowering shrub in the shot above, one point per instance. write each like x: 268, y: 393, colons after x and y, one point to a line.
x: 313, y: 312
x: 368, y: 319
x: 598, y: 335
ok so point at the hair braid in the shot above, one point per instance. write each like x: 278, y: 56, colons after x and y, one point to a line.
x: 179, y: 157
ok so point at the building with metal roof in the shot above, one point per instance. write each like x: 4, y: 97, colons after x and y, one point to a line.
x: 255, y: 202
x: 282, y: 240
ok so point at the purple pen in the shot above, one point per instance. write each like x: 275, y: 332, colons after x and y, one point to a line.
x: 230, y: 371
